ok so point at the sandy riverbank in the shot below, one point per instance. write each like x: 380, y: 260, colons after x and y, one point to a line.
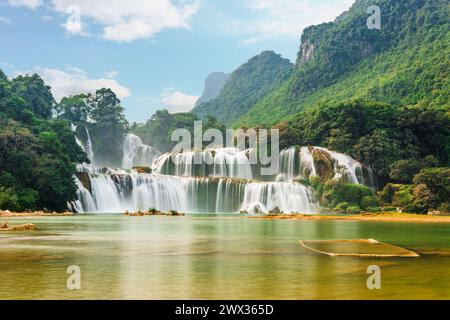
x: 376, y: 217
x: 9, y: 214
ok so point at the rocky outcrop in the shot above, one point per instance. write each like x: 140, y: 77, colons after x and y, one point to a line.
x: 142, y: 170
x: 85, y: 180
x: 306, y: 53
x: 154, y: 212
x: 323, y: 164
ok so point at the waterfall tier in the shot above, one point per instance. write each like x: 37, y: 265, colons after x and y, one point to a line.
x: 213, y: 181
x: 221, y: 162
x: 294, y: 163
x: 136, y: 153
x: 112, y: 192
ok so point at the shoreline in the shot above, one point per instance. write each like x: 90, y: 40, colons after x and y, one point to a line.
x: 369, y: 217
x: 8, y: 214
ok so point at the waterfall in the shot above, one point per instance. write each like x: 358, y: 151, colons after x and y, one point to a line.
x: 346, y: 166
x: 112, y: 193
x: 136, y: 153
x: 74, y: 129
x: 287, y: 197
x: 287, y: 165
x: 212, y: 181
x: 88, y: 148
x: 307, y: 167
x: 220, y: 162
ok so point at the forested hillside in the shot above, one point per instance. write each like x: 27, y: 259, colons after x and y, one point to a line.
x: 404, y: 63
x: 37, y: 153
x: 249, y: 83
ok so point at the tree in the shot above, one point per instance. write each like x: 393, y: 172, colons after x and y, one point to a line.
x: 379, y: 150
x: 76, y: 109
x: 437, y: 180
x: 36, y: 94
x: 109, y: 127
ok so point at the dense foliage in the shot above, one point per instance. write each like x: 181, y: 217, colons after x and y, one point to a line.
x: 37, y: 153
x: 404, y: 63
x: 157, y: 131
x: 102, y: 114
x: 376, y: 134
x: 245, y: 86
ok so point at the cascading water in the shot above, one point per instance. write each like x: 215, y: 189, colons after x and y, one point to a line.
x: 141, y: 192
x: 136, y: 153
x: 220, y: 162
x: 287, y: 197
x: 74, y: 129
x: 221, y: 183
x: 88, y: 148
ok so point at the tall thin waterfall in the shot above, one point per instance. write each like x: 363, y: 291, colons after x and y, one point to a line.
x: 136, y: 153
x: 88, y: 148
x: 74, y: 129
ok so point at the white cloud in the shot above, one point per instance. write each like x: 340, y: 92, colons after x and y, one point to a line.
x: 31, y: 4
x: 290, y: 17
x: 176, y: 101
x: 5, y: 20
x: 111, y: 74
x: 71, y: 81
x: 120, y: 20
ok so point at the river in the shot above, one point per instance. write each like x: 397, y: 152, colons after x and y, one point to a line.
x: 216, y: 257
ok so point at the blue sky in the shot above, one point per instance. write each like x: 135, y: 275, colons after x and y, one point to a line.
x: 154, y: 53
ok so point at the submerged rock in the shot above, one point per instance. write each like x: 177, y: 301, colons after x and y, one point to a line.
x: 23, y: 227
x: 275, y: 210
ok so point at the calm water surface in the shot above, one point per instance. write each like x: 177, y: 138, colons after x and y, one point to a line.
x: 216, y: 257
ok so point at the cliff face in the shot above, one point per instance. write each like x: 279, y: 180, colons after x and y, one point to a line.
x: 213, y: 85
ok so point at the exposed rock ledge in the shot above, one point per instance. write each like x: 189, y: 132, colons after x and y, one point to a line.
x: 8, y: 213
x: 154, y: 212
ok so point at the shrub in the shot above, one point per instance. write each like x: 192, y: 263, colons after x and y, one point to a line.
x: 444, y: 207
x: 373, y: 209
x: 389, y: 209
x: 403, y: 196
x: 404, y: 170
x: 336, y: 192
x: 412, y: 208
x: 370, y: 201
x: 342, y: 206
x: 8, y: 199
x: 353, y: 210
x: 388, y: 192
x: 424, y: 199
x: 437, y: 180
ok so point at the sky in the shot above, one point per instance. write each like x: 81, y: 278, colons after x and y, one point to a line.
x: 153, y: 53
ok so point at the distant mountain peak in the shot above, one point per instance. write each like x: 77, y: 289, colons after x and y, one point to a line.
x: 213, y: 85
x: 250, y: 82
